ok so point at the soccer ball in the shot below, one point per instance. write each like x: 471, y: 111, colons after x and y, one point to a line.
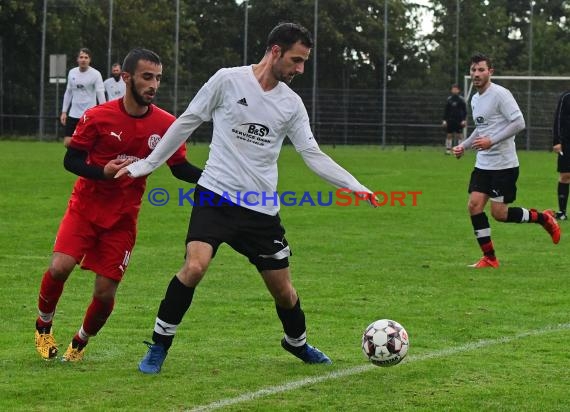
x: 385, y: 342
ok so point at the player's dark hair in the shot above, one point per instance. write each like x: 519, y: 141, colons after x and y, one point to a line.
x: 133, y: 57
x: 116, y: 64
x: 480, y: 57
x: 285, y: 35
x: 84, y: 50
x: 455, y: 85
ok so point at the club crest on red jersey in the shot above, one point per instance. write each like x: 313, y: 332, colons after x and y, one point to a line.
x: 153, y: 141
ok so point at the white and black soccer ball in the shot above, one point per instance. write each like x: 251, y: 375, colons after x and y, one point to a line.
x: 385, y: 342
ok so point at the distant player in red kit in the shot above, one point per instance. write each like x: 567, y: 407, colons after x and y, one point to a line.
x: 98, y: 229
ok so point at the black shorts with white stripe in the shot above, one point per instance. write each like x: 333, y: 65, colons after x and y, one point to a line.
x: 500, y: 185
x: 259, y: 237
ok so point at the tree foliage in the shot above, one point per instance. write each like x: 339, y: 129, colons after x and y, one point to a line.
x: 350, y: 35
x: 501, y: 29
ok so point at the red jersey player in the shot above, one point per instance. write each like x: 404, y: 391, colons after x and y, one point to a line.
x: 98, y: 229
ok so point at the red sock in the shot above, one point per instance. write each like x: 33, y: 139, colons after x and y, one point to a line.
x: 97, y: 314
x: 488, y: 250
x: 50, y: 292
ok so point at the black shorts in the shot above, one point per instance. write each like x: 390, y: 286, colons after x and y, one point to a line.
x: 563, y: 163
x: 259, y: 237
x: 453, y: 126
x: 500, y: 185
x: 70, y: 125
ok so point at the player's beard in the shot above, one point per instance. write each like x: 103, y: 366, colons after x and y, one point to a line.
x: 116, y: 77
x: 280, y: 73
x: 480, y: 83
x: 139, y: 98
x: 286, y: 78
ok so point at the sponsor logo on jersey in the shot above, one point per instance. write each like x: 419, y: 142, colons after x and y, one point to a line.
x: 243, y: 102
x: 256, y: 129
x: 480, y: 120
x: 255, y: 133
x: 153, y: 141
x: 128, y: 157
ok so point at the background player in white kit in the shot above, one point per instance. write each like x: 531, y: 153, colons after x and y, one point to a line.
x: 115, y: 86
x: 252, y: 109
x: 498, y: 119
x: 84, y: 90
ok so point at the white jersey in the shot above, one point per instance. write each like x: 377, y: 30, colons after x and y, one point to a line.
x: 493, y: 111
x: 250, y: 125
x: 114, y: 88
x: 83, y: 91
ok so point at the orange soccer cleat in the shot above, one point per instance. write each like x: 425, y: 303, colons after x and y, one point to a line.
x: 551, y: 225
x: 485, y: 262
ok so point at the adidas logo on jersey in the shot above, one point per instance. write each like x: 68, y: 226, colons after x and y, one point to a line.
x: 242, y: 102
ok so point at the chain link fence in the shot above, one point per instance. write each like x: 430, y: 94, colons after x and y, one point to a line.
x: 343, y: 116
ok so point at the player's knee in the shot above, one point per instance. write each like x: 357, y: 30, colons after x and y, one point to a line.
x: 564, y: 178
x: 106, y: 299
x: 474, y: 207
x: 61, y: 268
x: 192, y: 272
x: 286, y: 297
x: 105, y: 291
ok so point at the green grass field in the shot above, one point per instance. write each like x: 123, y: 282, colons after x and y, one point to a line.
x: 479, y: 340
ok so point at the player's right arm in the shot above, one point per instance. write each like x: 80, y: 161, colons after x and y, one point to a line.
x: 67, y: 97
x: 66, y: 103
x: 174, y: 137
x: 459, y: 150
x: 199, y: 110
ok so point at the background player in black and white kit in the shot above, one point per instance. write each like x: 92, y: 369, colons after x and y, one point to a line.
x: 498, y: 119
x: 561, y: 145
x: 454, y: 118
x: 252, y: 109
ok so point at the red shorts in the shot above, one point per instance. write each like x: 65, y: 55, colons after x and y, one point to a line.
x: 104, y: 251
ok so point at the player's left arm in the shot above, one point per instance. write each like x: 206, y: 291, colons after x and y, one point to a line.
x: 485, y: 142
x: 330, y: 171
x: 101, y: 97
x: 510, y: 110
x: 100, y: 89
x: 186, y: 171
x: 327, y: 169
x: 515, y: 126
x: 75, y: 161
x: 199, y: 110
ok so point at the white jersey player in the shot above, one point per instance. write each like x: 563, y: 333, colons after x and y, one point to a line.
x: 115, y: 86
x: 253, y: 110
x: 497, y: 119
x: 84, y: 90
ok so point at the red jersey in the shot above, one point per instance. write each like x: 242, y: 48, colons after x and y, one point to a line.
x: 108, y: 132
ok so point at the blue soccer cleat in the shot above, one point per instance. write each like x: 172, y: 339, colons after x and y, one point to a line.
x: 306, y: 353
x: 153, y: 360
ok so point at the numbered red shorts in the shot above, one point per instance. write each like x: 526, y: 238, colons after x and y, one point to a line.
x: 103, y: 251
